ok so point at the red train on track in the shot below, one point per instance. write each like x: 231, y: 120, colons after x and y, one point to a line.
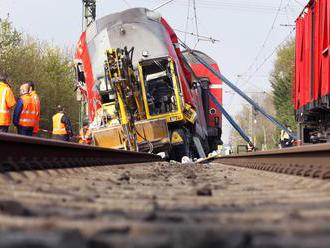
x: 311, y: 91
x: 180, y: 95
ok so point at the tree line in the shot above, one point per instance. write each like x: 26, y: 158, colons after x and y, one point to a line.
x: 24, y: 58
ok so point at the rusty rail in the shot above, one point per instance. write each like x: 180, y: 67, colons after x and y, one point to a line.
x: 21, y: 153
x: 308, y: 161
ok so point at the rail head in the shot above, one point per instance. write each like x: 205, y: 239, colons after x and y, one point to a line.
x: 308, y: 149
x: 312, y: 161
x: 29, y: 153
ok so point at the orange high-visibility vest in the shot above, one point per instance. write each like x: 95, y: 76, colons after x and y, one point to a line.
x: 36, y: 102
x: 58, y: 126
x: 85, y: 137
x: 7, y: 101
x: 28, y: 114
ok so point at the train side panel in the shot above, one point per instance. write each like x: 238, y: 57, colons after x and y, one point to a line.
x: 312, y: 71
x: 82, y: 56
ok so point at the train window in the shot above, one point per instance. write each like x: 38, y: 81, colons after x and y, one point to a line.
x: 80, y: 73
x: 160, y: 94
x: 104, y: 90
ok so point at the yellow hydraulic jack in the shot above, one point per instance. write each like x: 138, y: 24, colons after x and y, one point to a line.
x: 121, y: 78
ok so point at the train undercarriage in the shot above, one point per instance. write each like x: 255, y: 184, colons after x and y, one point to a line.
x: 314, y: 121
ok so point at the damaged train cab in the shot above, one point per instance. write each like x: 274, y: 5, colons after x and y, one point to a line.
x: 150, y: 92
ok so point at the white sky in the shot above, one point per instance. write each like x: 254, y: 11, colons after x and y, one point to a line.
x: 242, y: 26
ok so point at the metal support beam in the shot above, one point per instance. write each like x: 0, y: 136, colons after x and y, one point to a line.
x: 242, y: 94
x: 231, y: 120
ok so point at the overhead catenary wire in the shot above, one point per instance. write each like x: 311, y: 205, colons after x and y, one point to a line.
x: 196, y: 21
x: 233, y: 5
x: 187, y: 21
x: 201, y: 37
x: 267, y: 58
x: 195, y: 26
x: 266, y: 39
x: 161, y: 5
x: 271, y: 54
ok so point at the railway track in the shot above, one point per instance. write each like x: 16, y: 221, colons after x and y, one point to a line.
x: 163, y: 205
x: 109, y: 198
x: 20, y: 153
x: 307, y: 161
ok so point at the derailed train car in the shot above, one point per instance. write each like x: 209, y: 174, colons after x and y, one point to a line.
x: 311, y: 91
x: 173, y: 86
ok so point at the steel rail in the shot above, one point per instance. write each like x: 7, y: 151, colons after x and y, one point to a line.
x: 308, y: 161
x: 21, y: 153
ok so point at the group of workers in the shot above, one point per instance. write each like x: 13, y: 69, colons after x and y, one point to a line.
x: 26, y: 114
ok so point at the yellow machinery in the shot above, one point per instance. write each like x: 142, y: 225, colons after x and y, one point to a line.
x: 126, y: 124
x: 121, y: 78
x: 143, y: 106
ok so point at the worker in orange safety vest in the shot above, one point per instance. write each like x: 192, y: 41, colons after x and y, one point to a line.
x: 25, y: 112
x: 36, y: 102
x: 85, y: 134
x: 7, y: 101
x: 62, y: 128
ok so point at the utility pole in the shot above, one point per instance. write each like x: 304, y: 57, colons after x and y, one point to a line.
x: 251, y: 123
x: 89, y: 12
x: 264, y: 146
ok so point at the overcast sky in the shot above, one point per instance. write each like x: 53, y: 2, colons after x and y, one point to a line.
x: 248, y: 31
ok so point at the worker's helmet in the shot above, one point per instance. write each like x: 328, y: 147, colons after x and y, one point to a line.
x: 60, y: 108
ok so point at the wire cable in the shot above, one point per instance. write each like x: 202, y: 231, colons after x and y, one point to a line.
x: 271, y: 54
x: 162, y: 5
x: 195, y: 15
x: 187, y: 21
x: 266, y: 39
x: 232, y: 5
x: 201, y: 37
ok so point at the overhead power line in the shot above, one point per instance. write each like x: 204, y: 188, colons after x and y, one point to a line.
x: 201, y: 37
x: 187, y: 21
x: 162, y: 4
x: 196, y: 21
x: 266, y: 39
x: 232, y: 5
x: 271, y: 54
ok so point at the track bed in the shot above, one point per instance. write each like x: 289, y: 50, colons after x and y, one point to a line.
x: 163, y: 205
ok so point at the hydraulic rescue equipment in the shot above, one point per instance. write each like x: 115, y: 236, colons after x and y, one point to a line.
x: 123, y: 111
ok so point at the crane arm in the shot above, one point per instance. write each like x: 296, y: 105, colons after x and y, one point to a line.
x: 242, y: 94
